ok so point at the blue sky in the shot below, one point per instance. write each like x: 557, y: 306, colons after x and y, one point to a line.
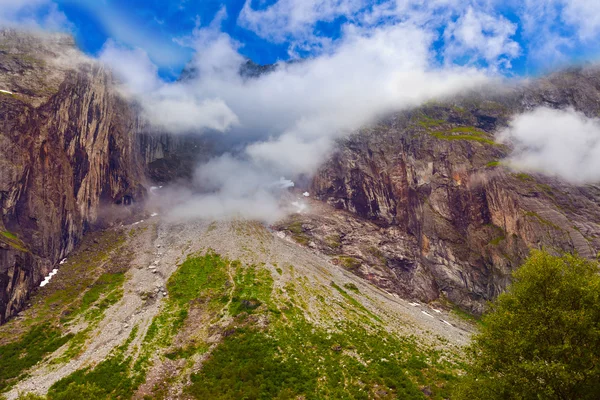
x: 510, y: 37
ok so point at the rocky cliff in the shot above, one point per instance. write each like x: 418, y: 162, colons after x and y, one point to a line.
x: 419, y: 203
x: 429, y: 211
x: 68, y: 157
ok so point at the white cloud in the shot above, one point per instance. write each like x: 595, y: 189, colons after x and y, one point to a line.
x: 293, y: 18
x: 292, y: 115
x: 132, y: 66
x: 585, y: 15
x: 561, y: 143
x: 230, y: 189
x: 480, y: 35
x: 169, y: 107
x: 33, y: 14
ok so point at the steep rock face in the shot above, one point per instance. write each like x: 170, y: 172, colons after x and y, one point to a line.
x: 169, y: 157
x: 68, y: 157
x: 438, y: 217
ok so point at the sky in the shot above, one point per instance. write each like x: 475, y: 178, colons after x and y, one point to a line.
x: 511, y: 37
x: 361, y: 60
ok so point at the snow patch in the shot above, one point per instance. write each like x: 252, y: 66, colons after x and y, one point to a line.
x: 446, y: 322
x: 414, y: 304
x: 47, y: 279
x: 153, y: 214
x: 64, y: 260
x: 5, y: 91
x: 426, y: 313
x: 305, y: 194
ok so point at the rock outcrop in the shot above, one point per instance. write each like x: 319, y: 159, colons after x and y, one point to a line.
x: 429, y: 211
x: 68, y: 157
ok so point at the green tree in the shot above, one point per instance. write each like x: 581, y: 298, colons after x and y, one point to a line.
x: 540, y: 339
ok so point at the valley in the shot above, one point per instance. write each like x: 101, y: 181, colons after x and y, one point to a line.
x: 145, y: 306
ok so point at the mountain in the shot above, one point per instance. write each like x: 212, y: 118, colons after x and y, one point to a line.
x: 68, y: 156
x: 445, y: 219
x: 412, y: 220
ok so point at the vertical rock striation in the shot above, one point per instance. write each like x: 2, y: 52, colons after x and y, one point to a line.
x: 431, y: 179
x: 68, y: 157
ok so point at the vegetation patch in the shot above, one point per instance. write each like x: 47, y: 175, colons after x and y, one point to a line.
x: 350, y: 263
x: 199, y: 279
x: 498, y: 235
x: 465, y: 316
x: 540, y: 339
x: 523, y: 177
x: 469, y: 133
x: 113, y: 378
x: 19, y: 356
x: 13, y: 241
x: 334, y: 241
x: 428, y: 122
x: 76, y: 291
x: 542, y: 220
x: 352, y: 287
x: 105, y: 291
x: 270, y: 349
x: 355, y: 303
x: 470, y: 137
x: 298, y: 234
x: 252, y: 288
x: 297, y: 359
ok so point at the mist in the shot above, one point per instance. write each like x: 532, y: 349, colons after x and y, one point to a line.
x: 291, y: 116
x: 560, y: 143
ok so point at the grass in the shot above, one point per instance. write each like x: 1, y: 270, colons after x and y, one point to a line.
x: 428, y: 122
x: 269, y: 350
x: 252, y: 288
x: 75, y: 292
x: 498, y: 234
x: 469, y: 133
x: 298, y: 234
x: 85, y: 272
x: 352, y: 287
x: 13, y: 241
x: 492, y: 164
x: 471, y: 130
x: 354, y: 302
x: 523, y: 177
x: 301, y: 361
x: 110, y: 379
x: 33, y: 347
x: 199, y: 278
x: 350, y: 263
x: 297, y: 359
x: 290, y: 357
x: 465, y: 316
x: 9, y: 235
x: 106, y: 286
x: 541, y: 220
x: 449, y: 136
x: 334, y: 241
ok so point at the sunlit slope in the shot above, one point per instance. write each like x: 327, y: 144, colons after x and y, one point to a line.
x: 162, y: 310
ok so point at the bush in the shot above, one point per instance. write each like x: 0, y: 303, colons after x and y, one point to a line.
x: 541, y: 339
